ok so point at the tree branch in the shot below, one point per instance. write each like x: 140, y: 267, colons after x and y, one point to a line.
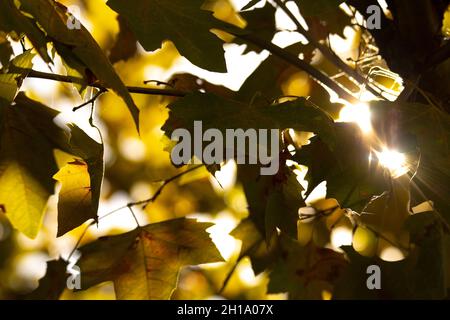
x: 130, y: 205
x: 146, y: 202
x: 295, y: 61
x: 327, y: 52
x: 92, y: 100
x: 275, y: 50
x: 263, y: 44
x: 439, y: 56
x: 248, y: 37
x: 139, y: 90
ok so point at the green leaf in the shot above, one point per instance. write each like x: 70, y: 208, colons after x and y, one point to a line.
x: 273, y: 201
x: 422, y: 274
x: 253, y: 245
x: 350, y: 177
x: 182, y: 22
x: 260, y: 21
x: 324, y: 14
x: 386, y: 214
x: 220, y: 113
x: 12, y: 20
x: 74, y: 68
x: 53, y: 18
x: 42, y: 118
x: 32, y: 160
x: 26, y: 164
x: 91, y: 152
x: 52, y: 285
x: 5, y: 49
x: 16, y: 71
x: 125, y: 45
x: 266, y: 80
x: 265, y: 83
x: 145, y: 263
x: 305, y: 271
x: 248, y: 234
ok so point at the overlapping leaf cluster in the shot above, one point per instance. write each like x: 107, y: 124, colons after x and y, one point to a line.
x: 145, y: 263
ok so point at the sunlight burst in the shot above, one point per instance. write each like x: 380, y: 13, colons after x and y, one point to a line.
x: 359, y: 114
x: 394, y: 161
x: 341, y: 236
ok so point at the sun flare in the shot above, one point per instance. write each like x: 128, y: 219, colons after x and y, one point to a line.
x: 359, y: 114
x: 393, y: 160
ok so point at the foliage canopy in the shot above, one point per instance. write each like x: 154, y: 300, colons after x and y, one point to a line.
x: 291, y: 240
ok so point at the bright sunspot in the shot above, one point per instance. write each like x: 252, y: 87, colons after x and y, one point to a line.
x: 393, y: 160
x: 341, y: 236
x: 357, y: 113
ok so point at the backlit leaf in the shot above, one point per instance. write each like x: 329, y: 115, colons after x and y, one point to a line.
x: 32, y: 160
x: 145, y: 263
x: 13, y: 20
x: 81, y: 182
x: 26, y: 165
x: 351, y: 178
x: 75, y: 196
x: 386, y: 214
x: 182, y: 22
x: 11, y: 80
x: 220, y: 113
x: 125, y: 45
x: 5, y: 49
x: 260, y: 21
x: 52, y: 285
x: 305, y: 271
x: 324, y: 14
x: 53, y: 18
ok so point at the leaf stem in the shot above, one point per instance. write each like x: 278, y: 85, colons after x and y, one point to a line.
x: 130, y: 207
x: 146, y: 202
x: 90, y: 101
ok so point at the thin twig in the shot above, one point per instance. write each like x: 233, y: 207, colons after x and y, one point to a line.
x: 134, y: 216
x: 90, y: 101
x: 146, y: 202
x: 296, y: 62
x: 79, y: 239
x: 131, y: 89
x: 130, y: 205
x: 91, y: 122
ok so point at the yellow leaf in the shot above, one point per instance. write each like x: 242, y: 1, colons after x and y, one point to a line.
x: 75, y: 197
x: 365, y: 242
